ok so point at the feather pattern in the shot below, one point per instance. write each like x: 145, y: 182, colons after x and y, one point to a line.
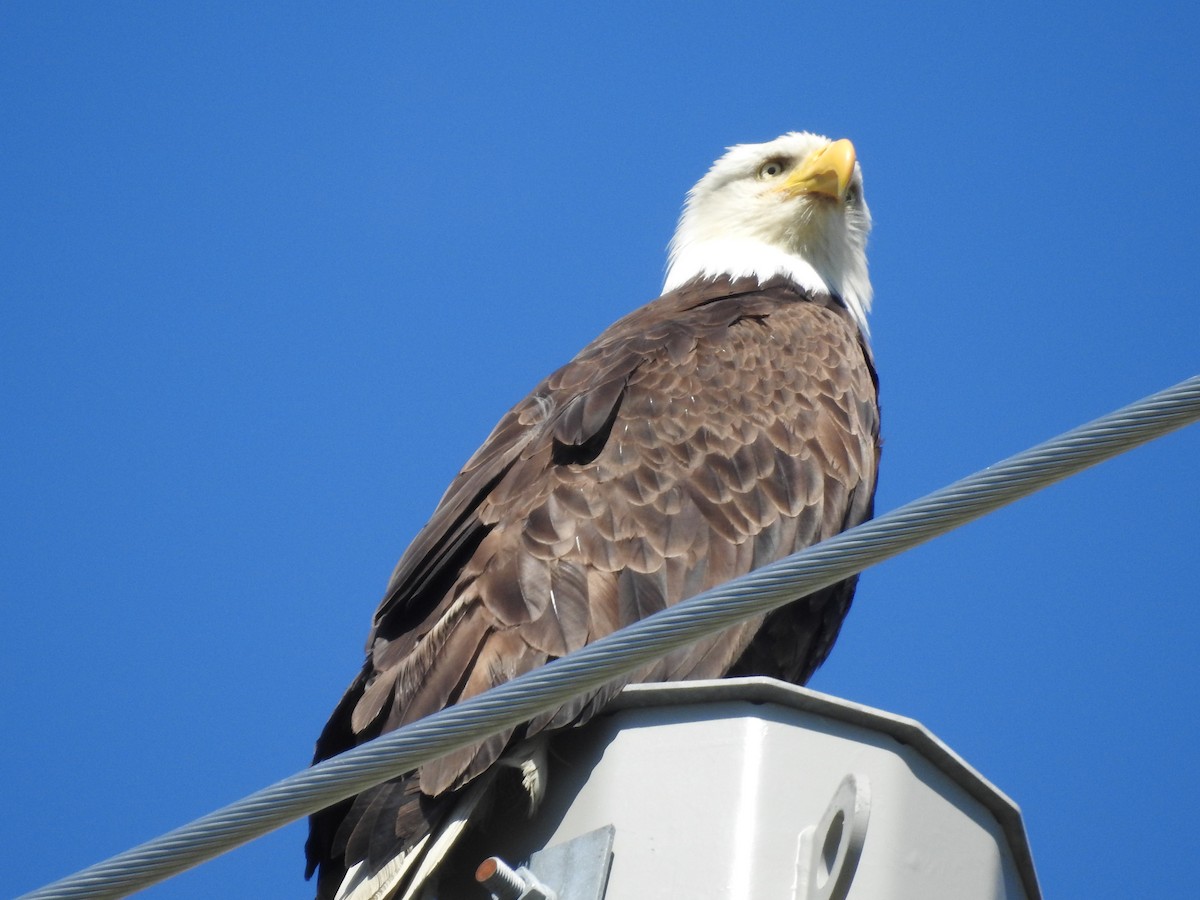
x: 722, y: 426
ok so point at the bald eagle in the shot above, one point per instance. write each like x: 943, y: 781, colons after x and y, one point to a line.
x: 728, y: 423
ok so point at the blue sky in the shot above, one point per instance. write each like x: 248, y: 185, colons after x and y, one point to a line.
x: 269, y: 273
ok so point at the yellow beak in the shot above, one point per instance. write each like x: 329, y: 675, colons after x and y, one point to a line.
x: 826, y: 171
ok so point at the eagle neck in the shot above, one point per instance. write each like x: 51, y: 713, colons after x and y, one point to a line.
x: 736, y: 259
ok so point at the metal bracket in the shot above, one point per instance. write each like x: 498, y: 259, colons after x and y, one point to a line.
x: 829, y: 852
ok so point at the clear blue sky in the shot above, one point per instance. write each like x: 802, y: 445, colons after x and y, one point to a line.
x: 269, y: 273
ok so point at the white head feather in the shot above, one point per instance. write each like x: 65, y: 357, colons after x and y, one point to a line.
x: 738, y: 222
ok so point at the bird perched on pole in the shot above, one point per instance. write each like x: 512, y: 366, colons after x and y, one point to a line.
x: 730, y: 422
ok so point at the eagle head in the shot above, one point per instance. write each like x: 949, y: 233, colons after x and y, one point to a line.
x: 793, y: 206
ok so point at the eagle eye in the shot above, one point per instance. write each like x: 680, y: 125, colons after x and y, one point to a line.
x: 772, y: 168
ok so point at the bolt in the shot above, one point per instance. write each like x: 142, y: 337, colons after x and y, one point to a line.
x: 505, y: 884
x: 495, y: 875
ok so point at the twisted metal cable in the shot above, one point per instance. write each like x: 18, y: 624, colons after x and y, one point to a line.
x: 619, y: 653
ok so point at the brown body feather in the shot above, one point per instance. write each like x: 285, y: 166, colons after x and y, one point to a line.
x: 718, y: 428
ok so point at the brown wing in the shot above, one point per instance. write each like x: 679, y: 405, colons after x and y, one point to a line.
x: 716, y: 429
